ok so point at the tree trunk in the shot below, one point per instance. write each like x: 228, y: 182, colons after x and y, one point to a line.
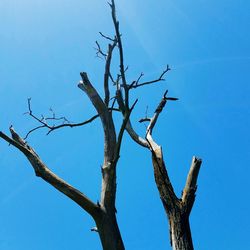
x: 109, y: 232
x: 180, y: 234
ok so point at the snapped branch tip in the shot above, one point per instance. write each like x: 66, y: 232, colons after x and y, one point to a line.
x: 197, y: 159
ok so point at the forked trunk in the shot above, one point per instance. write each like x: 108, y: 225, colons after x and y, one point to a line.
x: 177, y: 210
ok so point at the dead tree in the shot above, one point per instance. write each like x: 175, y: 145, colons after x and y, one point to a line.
x: 104, y: 212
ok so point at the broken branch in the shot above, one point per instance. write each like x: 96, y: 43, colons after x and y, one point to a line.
x: 188, y: 195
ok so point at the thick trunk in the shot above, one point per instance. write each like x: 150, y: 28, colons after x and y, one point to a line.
x: 109, y: 232
x: 180, y: 234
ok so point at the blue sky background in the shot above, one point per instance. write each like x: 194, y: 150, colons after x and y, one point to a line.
x: 44, y: 44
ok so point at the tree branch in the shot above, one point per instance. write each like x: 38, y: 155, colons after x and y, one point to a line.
x: 122, y: 129
x: 107, y: 37
x: 41, y: 170
x: 165, y: 188
x: 138, y: 139
x: 99, y: 51
x: 164, y: 185
x: 188, y: 195
x: 108, y: 193
x: 158, y: 110
x: 129, y: 127
x: 121, y: 56
x: 136, y: 83
x: 102, y: 110
x: 107, y: 72
x: 51, y: 128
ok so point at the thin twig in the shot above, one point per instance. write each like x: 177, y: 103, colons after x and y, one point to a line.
x: 136, y: 84
x: 32, y: 130
x: 107, y: 37
x: 55, y: 127
x: 99, y: 51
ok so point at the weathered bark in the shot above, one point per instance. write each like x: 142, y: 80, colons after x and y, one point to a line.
x: 42, y: 171
x: 177, y: 210
x: 109, y: 232
x: 180, y: 234
x: 105, y: 218
x: 103, y: 213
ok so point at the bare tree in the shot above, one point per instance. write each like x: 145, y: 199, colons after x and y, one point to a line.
x: 104, y: 212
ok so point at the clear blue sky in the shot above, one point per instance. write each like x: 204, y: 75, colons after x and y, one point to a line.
x: 44, y: 44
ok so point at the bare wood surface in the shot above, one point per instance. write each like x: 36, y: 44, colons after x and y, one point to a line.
x: 188, y: 196
x: 41, y: 170
x: 107, y: 72
x: 102, y: 110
